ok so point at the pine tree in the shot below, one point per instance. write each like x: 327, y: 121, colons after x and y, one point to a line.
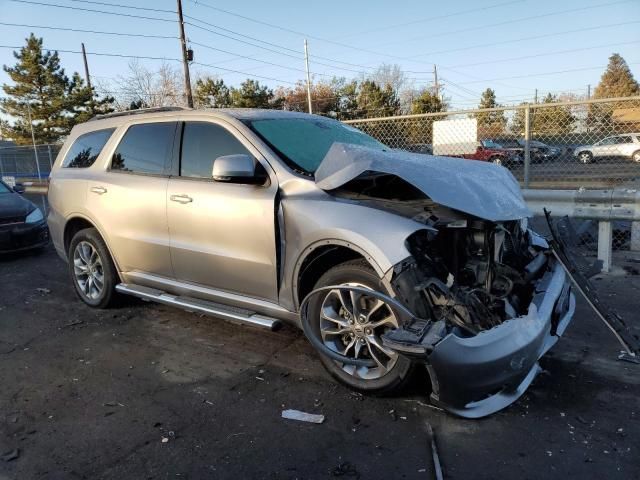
x: 251, y: 95
x: 617, y: 80
x: 552, y: 120
x: 490, y: 124
x: 210, y: 93
x: 427, y: 102
x: 42, y: 90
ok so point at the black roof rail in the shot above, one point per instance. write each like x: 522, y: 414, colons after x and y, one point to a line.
x: 138, y: 111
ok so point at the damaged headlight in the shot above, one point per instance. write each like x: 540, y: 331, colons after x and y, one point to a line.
x: 35, y: 216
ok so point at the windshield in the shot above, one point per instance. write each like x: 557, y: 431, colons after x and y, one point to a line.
x: 490, y: 144
x: 304, y: 142
x: 4, y: 188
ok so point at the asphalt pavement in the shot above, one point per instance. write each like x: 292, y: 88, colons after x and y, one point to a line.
x: 147, y: 391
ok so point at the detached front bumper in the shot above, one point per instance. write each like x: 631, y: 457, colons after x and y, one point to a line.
x: 16, y: 238
x: 476, y: 376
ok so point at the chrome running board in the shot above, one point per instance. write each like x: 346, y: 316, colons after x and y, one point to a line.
x: 232, y: 314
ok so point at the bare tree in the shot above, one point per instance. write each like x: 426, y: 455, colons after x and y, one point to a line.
x: 149, y: 88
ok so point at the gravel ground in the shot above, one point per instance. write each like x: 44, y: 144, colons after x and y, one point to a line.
x: 146, y: 391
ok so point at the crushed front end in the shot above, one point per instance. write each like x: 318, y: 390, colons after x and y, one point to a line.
x: 489, y: 300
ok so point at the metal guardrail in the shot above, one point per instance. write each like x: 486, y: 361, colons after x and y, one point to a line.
x: 603, y: 206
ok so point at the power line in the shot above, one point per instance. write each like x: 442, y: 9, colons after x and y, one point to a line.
x: 544, y: 73
x: 522, y: 39
x: 121, y: 55
x: 431, y: 19
x: 545, y: 54
x: 106, y: 4
x: 119, y: 14
x: 509, y: 22
x: 239, y: 34
x: 103, y: 54
x: 122, y: 34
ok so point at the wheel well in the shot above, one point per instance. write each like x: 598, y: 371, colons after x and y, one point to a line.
x: 72, y: 227
x: 318, y: 263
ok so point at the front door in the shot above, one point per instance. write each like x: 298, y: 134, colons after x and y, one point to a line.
x: 222, y: 234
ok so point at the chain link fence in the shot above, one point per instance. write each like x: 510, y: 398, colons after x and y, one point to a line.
x: 570, y: 145
x: 19, y: 162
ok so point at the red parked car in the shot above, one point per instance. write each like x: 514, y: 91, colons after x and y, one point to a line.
x: 490, y: 151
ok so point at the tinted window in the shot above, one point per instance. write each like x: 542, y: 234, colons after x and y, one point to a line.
x: 86, y: 149
x: 625, y: 140
x: 202, y: 143
x: 4, y: 188
x: 145, y: 149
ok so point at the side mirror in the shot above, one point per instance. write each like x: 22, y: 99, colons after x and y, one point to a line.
x: 239, y: 168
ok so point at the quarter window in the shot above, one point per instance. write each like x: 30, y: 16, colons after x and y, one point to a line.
x: 202, y: 143
x: 145, y: 149
x: 86, y: 149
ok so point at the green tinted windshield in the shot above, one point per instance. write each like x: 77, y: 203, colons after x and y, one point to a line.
x: 304, y: 142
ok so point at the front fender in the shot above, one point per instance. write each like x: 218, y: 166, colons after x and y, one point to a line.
x: 377, y: 235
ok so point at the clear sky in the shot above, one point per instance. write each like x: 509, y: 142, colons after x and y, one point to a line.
x: 511, y: 46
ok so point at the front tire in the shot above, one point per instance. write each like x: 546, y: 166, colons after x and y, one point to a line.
x: 92, y: 270
x: 331, y: 316
x: 636, y: 156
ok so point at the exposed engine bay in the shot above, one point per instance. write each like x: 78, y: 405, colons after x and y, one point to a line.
x: 471, y: 273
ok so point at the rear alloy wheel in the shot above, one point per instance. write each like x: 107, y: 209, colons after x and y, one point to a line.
x: 92, y: 270
x: 351, y: 324
x: 636, y: 156
x: 585, y: 157
x: 497, y: 160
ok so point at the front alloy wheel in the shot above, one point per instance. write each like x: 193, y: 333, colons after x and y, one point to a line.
x: 351, y: 324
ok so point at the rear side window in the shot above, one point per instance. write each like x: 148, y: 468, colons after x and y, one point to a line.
x: 86, y: 149
x: 145, y: 149
x: 202, y: 143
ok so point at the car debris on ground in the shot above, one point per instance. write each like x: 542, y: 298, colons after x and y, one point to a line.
x: 302, y: 416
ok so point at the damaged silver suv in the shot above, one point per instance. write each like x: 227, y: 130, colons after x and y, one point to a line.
x: 386, y: 259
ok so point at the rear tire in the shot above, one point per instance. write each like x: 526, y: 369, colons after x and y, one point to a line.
x: 92, y: 270
x: 636, y: 156
x: 497, y: 161
x: 380, y: 381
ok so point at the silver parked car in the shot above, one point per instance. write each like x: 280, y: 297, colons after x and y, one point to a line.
x: 386, y: 259
x: 616, y: 146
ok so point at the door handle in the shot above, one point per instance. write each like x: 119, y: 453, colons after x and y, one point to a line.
x: 181, y: 198
x: 99, y: 190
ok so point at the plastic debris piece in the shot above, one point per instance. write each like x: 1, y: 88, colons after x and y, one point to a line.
x: 302, y: 416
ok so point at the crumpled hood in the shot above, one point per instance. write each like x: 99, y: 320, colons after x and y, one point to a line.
x: 478, y: 188
x: 14, y: 205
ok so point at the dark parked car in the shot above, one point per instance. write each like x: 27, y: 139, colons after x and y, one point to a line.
x: 22, y: 225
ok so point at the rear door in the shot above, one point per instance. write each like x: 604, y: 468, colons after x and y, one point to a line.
x: 129, y: 199
x: 222, y: 234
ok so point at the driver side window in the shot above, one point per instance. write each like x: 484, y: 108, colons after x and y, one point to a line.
x: 202, y: 143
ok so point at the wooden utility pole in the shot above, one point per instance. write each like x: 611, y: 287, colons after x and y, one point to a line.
x: 185, y: 58
x: 435, y: 79
x: 86, y: 67
x: 306, y: 63
x: 589, y: 92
